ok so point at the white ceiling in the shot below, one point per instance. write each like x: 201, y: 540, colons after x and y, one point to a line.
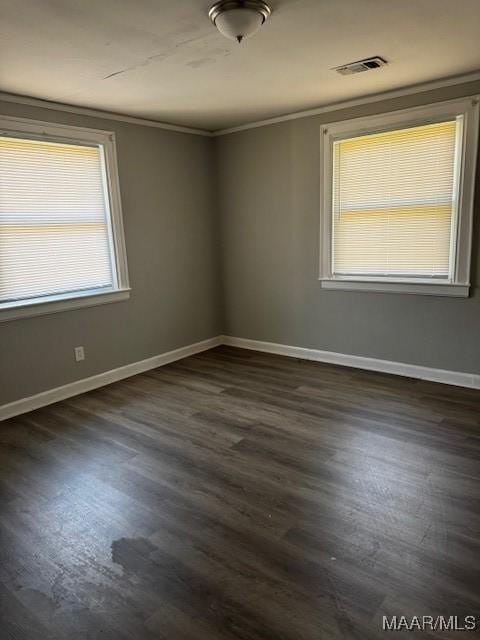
x: 163, y: 60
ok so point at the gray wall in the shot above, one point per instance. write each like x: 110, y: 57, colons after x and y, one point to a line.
x: 269, y: 202
x: 223, y: 237
x: 170, y: 218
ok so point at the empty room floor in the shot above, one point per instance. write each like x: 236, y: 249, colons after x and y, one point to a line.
x: 240, y: 495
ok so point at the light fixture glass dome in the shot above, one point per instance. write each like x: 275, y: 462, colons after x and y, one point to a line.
x: 239, y: 19
x: 239, y: 24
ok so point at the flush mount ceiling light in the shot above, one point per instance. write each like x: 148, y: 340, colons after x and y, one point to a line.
x: 239, y: 19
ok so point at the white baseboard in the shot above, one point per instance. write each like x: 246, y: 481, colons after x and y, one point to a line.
x: 87, y: 384
x: 23, y: 405
x: 457, y: 378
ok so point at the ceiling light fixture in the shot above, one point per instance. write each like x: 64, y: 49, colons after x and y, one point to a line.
x: 239, y: 19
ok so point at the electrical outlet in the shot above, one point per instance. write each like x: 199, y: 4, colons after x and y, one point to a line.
x: 79, y: 353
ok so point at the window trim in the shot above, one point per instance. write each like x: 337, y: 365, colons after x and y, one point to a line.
x: 459, y: 285
x: 105, y: 140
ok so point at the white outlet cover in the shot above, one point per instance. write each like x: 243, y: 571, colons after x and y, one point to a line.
x: 79, y: 354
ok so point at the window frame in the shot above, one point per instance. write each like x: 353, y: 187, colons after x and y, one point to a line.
x: 459, y: 284
x: 105, y: 140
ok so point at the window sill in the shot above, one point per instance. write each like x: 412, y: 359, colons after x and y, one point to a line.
x: 385, y: 286
x: 56, y: 303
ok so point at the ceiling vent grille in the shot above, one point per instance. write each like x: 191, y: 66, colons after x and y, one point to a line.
x: 360, y: 66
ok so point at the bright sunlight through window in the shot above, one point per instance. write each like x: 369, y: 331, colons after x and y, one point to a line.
x: 397, y: 200
x: 56, y: 233
x: 394, y: 202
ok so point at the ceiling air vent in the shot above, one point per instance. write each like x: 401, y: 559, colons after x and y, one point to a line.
x: 361, y: 65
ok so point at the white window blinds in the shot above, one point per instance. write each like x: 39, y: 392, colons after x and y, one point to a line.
x: 55, y: 234
x: 394, y: 202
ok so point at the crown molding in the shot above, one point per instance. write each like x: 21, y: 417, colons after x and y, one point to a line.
x: 98, y: 113
x: 336, y: 106
x: 356, y: 102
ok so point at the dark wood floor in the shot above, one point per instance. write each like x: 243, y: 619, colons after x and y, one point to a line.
x: 238, y: 495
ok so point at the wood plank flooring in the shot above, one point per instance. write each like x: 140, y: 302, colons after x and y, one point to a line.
x: 235, y: 495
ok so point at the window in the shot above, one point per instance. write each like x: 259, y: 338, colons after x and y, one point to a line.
x: 397, y: 200
x: 61, y: 236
